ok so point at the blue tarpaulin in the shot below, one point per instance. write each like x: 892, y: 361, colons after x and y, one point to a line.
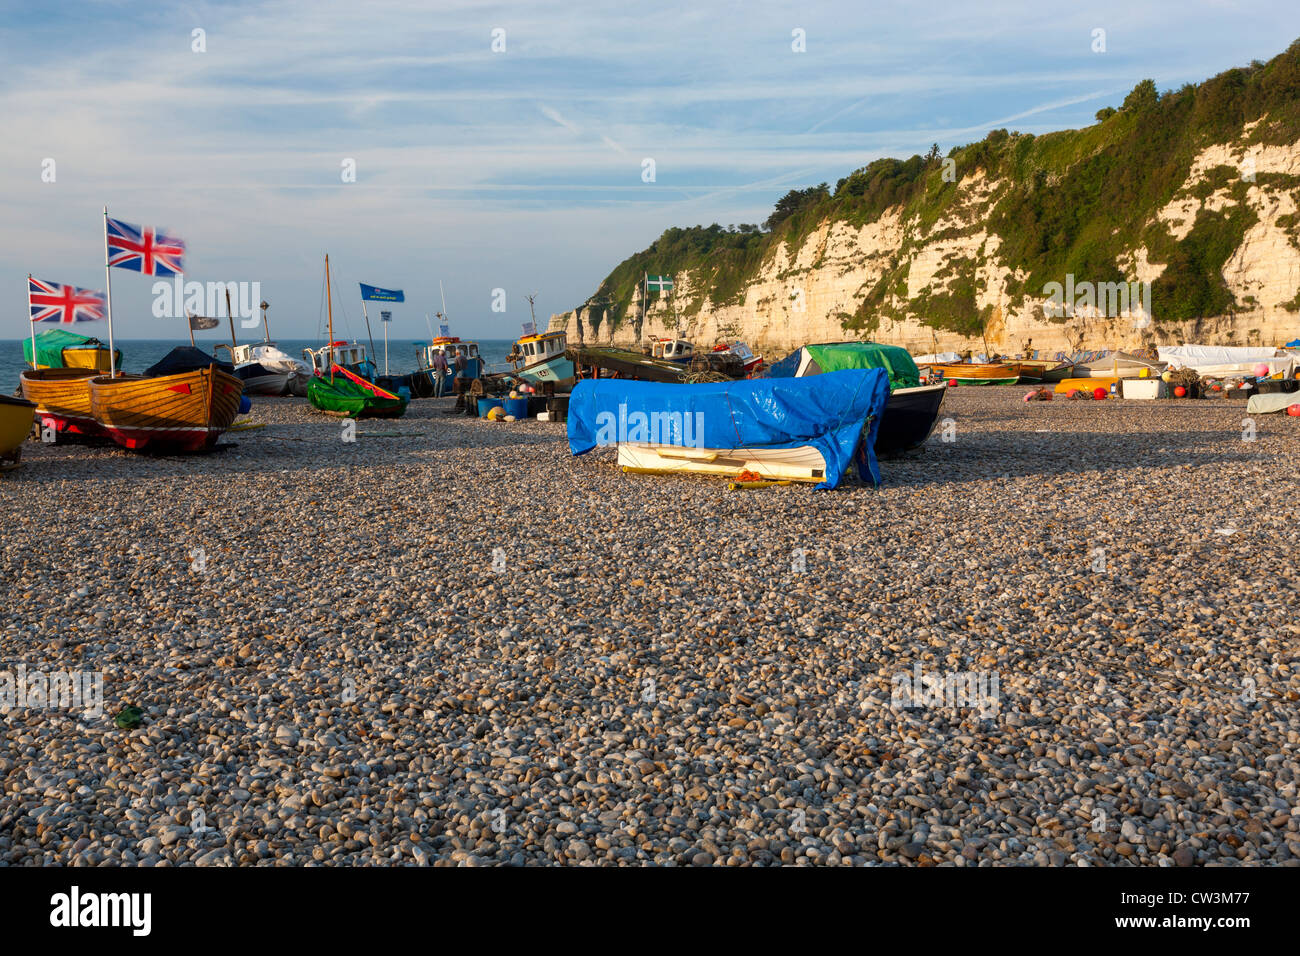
x: 837, y: 413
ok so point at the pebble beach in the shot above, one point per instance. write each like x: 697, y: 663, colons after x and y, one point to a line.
x: 449, y: 642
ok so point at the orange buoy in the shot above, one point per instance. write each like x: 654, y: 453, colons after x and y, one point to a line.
x: 1293, y: 410
x: 1180, y: 392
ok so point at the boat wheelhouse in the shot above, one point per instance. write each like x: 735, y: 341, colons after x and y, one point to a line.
x: 672, y: 350
x: 449, y: 346
x: 541, y: 358
x: 349, y: 355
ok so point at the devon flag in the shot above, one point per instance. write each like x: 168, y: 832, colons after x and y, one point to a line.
x: 373, y: 293
x: 659, y: 283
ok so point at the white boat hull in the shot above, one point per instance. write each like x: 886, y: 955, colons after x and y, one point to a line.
x: 272, y: 383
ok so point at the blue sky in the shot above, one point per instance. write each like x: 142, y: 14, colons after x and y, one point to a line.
x: 519, y: 170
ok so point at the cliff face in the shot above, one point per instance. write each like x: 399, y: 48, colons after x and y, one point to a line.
x: 1059, y: 243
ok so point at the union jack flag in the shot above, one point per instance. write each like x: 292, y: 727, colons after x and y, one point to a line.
x: 142, y: 249
x: 52, y: 302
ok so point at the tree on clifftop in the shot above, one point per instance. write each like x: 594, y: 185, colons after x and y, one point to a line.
x: 793, y: 201
x: 1144, y: 96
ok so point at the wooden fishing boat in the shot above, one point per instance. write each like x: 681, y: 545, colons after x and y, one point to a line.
x: 62, y: 398
x: 16, y: 416
x: 348, y: 395
x: 982, y: 373
x: 186, y: 411
x: 1034, y: 371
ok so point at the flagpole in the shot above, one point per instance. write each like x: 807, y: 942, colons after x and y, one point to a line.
x: 108, y: 300
x: 29, y: 322
x: 366, y: 315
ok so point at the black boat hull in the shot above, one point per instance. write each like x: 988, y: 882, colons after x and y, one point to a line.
x: 909, y: 418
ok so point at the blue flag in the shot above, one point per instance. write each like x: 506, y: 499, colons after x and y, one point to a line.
x: 376, y: 294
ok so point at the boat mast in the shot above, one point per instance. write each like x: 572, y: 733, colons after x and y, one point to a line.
x: 231, y: 317
x: 329, y: 306
x: 266, y: 329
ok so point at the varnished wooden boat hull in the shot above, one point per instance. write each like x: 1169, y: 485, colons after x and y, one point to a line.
x: 62, y: 398
x: 979, y: 374
x: 185, y: 412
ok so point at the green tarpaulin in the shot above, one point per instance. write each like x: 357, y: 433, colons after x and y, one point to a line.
x: 814, y: 359
x: 51, y: 343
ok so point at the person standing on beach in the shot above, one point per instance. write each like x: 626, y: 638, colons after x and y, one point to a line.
x: 460, y: 381
x: 440, y: 371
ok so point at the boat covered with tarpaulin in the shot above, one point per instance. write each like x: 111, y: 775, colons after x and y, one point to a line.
x: 913, y: 408
x: 59, y: 348
x: 1228, y: 360
x: 820, y: 428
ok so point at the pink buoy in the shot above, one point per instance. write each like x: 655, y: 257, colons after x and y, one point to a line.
x: 1261, y: 370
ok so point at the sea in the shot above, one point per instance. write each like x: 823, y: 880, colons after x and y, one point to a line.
x: 139, y: 354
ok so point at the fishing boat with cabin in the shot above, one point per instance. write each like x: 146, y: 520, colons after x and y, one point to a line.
x: 540, y: 358
x: 449, y: 347
x: 672, y: 350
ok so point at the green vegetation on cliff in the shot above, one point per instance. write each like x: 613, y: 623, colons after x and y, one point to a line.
x: 1072, y: 202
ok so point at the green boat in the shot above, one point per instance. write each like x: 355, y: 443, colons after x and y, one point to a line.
x: 346, y: 394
